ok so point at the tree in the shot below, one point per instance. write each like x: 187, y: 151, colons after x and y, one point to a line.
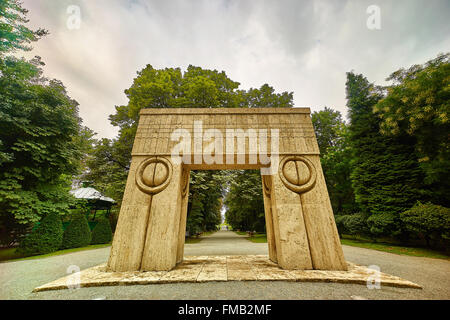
x: 14, y: 35
x: 45, y: 238
x: 328, y: 126
x: 385, y: 175
x: 77, y: 233
x: 333, y: 140
x: 102, y: 232
x: 40, y: 148
x: 428, y: 221
x: 417, y: 105
x: 244, y: 201
x: 205, y: 200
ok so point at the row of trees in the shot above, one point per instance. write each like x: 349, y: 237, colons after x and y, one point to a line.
x: 391, y: 160
x: 392, y: 153
x: 49, y: 235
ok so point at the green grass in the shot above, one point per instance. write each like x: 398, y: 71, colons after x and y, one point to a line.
x: 192, y: 240
x: 199, y: 238
x: 388, y: 247
x: 256, y: 237
x: 10, y: 254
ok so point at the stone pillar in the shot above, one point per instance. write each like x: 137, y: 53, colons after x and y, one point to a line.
x: 302, y: 202
x: 289, y: 227
x: 324, y: 242
x: 266, y: 185
x: 146, y: 236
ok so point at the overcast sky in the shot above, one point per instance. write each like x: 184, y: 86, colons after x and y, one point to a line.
x: 300, y: 46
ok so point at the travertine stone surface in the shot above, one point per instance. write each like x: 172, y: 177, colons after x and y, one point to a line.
x: 271, y: 242
x: 183, y: 212
x: 300, y: 224
x: 224, y: 268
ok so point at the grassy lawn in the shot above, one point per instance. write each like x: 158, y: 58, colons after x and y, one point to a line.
x: 10, y: 254
x: 256, y: 237
x: 199, y: 238
x: 387, y: 247
x: 380, y: 246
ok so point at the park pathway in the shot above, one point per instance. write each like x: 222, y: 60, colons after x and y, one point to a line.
x: 225, y: 243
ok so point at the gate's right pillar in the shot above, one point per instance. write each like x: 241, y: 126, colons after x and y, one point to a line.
x: 303, y: 219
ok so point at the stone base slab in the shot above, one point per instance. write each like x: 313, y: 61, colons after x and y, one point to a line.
x: 222, y: 268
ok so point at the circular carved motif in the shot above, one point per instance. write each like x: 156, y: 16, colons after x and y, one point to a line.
x: 153, y: 175
x: 290, y: 174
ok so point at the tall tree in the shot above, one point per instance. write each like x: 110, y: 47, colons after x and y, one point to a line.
x: 417, y: 104
x: 385, y: 176
x: 41, y: 136
x: 333, y: 139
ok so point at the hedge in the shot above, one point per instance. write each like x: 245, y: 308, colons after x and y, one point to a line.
x: 45, y: 238
x: 102, y: 232
x: 77, y: 234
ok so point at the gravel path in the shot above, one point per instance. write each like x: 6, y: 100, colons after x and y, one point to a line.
x: 18, y: 279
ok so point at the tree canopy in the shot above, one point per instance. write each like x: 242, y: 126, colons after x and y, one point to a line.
x: 42, y: 138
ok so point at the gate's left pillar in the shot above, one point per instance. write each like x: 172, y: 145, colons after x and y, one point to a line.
x: 146, y: 237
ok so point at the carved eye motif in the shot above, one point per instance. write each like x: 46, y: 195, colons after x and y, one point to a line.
x: 153, y: 175
x: 297, y: 173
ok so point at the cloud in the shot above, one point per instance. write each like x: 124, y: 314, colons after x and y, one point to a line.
x: 300, y: 46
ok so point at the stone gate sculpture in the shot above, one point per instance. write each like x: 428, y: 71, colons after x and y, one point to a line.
x: 301, y: 230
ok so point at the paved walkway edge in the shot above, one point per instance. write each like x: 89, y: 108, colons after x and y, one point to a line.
x: 224, y: 268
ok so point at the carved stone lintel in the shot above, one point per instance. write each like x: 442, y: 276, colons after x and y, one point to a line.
x: 292, y: 178
x: 153, y: 175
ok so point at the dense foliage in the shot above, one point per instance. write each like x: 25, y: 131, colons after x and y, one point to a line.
x: 41, y: 134
x: 14, y: 35
x: 417, y: 105
x: 102, y: 232
x: 244, y: 201
x: 77, y: 233
x: 430, y: 222
x: 392, y: 153
x: 45, y: 238
x: 385, y: 174
x: 336, y: 154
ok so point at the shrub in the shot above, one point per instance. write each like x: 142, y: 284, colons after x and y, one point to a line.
x: 45, y: 238
x: 385, y: 224
x: 428, y: 221
x: 357, y: 224
x: 340, y: 224
x: 77, y: 234
x: 352, y: 224
x: 102, y: 232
